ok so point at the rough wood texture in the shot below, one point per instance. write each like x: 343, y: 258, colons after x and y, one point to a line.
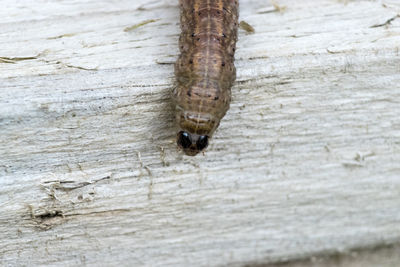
x: 306, y: 161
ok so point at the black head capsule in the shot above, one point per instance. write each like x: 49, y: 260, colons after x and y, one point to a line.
x: 184, y: 140
x: 192, y: 144
x: 202, y: 142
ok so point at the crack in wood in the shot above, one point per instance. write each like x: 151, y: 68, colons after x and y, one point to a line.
x: 387, y: 22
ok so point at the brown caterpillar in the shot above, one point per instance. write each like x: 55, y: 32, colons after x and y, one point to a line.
x: 205, y: 70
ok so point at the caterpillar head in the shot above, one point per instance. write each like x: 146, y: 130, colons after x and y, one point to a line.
x: 190, y: 143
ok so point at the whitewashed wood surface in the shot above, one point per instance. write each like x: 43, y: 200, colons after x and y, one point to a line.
x: 306, y: 162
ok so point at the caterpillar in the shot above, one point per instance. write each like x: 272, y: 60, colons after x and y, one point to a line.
x: 205, y: 70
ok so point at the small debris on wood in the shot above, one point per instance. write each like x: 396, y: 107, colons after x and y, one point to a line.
x: 274, y: 8
x: 134, y: 27
x: 247, y: 27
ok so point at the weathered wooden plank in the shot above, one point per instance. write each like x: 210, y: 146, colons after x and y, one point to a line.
x: 305, y: 162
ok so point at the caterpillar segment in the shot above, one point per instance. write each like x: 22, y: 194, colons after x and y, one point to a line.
x: 205, y: 70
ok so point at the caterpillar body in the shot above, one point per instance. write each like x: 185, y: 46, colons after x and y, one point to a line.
x: 205, y: 70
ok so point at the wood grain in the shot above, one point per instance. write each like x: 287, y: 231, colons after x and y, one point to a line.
x: 305, y: 163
